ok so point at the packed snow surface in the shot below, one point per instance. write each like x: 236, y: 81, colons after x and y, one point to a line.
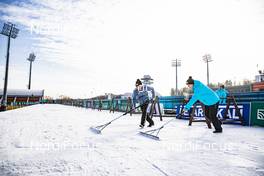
x: 56, y: 140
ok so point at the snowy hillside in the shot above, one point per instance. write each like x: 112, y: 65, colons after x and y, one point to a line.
x: 56, y: 140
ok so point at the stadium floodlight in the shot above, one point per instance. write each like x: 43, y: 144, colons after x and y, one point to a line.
x: 176, y: 63
x: 31, y: 59
x: 10, y: 31
x: 207, y: 58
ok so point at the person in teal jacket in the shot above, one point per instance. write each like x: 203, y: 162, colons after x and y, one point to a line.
x: 222, y: 93
x: 208, y: 97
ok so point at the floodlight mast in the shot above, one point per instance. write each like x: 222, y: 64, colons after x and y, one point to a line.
x: 30, y: 59
x: 207, y: 58
x: 10, y: 31
x: 176, y: 63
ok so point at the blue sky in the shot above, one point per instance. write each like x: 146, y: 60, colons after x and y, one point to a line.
x: 88, y: 47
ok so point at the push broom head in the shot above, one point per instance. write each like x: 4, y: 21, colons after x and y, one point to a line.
x: 148, y: 135
x: 95, y: 130
x: 153, y: 134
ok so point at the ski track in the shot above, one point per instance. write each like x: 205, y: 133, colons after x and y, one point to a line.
x: 53, y: 140
x: 159, y: 169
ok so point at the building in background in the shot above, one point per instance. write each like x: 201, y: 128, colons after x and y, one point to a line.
x: 21, y: 97
x: 259, y: 84
x: 147, y: 80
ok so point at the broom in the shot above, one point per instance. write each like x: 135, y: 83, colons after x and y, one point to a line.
x: 98, y: 129
x: 153, y: 134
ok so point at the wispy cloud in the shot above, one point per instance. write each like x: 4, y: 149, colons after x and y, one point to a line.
x: 66, y: 27
x: 114, y: 41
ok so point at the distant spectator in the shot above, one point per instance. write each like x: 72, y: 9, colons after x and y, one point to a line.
x: 222, y: 93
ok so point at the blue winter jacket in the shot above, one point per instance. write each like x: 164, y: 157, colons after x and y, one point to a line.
x: 222, y: 93
x: 148, y: 93
x: 202, y: 93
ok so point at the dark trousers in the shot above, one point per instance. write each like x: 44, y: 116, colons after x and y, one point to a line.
x: 145, y: 116
x: 210, y: 113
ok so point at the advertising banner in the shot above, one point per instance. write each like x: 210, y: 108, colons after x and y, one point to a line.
x: 244, y: 109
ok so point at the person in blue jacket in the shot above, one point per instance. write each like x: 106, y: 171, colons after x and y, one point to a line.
x: 209, y: 98
x: 222, y: 93
x: 141, y: 96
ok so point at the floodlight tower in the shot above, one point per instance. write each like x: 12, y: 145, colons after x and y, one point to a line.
x: 31, y: 59
x: 207, y: 58
x: 10, y: 31
x: 176, y: 63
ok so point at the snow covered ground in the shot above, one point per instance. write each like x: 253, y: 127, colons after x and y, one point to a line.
x: 56, y: 140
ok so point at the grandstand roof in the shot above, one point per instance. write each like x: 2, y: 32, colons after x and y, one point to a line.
x: 23, y: 92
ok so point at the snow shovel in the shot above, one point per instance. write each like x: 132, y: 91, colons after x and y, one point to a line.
x: 98, y: 129
x: 153, y: 134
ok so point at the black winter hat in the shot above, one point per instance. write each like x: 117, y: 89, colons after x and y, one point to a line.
x: 138, y: 82
x: 190, y: 80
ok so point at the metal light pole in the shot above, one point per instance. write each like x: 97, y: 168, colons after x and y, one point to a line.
x: 10, y: 31
x: 31, y: 59
x: 176, y: 63
x: 207, y: 58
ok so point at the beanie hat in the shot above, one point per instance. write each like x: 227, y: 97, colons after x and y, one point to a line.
x: 138, y: 82
x: 190, y: 80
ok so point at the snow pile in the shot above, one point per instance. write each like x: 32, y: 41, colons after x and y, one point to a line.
x: 56, y: 140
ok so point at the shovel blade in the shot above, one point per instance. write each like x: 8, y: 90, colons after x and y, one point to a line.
x: 95, y: 130
x: 149, y: 135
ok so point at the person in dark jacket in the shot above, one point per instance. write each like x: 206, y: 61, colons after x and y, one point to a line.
x: 140, y: 95
x: 209, y: 98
